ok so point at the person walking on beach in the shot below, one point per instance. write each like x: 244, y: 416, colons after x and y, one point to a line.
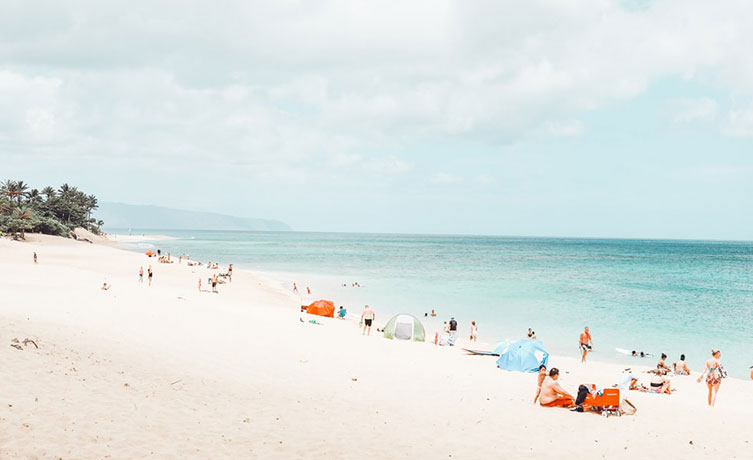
x: 585, y: 343
x: 214, y: 283
x: 35, y: 257
x: 295, y: 289
x: 474, y: 332
x: 714, y: 375
x: 199, y: 284
x: 368, y: 316
x: 230, y: 273
x: 308, y: 291
x: 141, y: 274
x: 150, y: 273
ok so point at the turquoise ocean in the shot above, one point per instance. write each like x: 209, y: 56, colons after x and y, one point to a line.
x: 646, y: 295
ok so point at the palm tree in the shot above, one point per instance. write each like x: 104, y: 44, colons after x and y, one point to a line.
x: 48, y: 192
x: 34, y: 196
x: 6, y: 206
x: 21, y: 221
x: 66, y: 190
x: 9, y: 188
x: 21, y: 188
x: 91, y: 205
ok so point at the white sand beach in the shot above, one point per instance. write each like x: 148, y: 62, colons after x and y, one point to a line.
x: 169, y: 372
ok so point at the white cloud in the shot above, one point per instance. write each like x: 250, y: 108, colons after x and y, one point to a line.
x: 445, y: 178
x: 304, y: 86
x: 694, y: 110
x: 565, y: 128
x: 740, y: 122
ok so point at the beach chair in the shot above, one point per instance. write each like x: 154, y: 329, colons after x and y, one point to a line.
x: 606, y: 401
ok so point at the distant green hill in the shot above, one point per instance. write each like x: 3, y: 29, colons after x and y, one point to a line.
x: 120, y: 215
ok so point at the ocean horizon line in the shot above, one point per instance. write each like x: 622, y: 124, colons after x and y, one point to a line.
x: 150, y: 231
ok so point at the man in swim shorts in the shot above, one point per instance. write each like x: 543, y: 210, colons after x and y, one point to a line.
x: 368, y: 316
x: 552, y: 394
x: 585, y: 343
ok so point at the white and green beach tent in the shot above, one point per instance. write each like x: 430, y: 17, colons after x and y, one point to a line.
x: 404, y: 327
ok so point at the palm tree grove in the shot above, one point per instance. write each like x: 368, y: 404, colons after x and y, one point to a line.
x: 50, y: 211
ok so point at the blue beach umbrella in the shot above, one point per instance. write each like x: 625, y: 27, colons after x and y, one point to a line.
x: 523, y: 356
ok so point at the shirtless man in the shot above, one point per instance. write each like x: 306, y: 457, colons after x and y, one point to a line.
x: 552, y: 394
x: 368, y: 316
x: 585, y: 344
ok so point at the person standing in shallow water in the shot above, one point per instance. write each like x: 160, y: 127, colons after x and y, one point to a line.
x: 585, y: 343
x: 714, y: 375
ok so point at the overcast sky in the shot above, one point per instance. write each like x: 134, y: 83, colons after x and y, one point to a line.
x: 587, y: 118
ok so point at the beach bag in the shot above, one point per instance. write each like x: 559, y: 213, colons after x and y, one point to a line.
x: 582, y: 393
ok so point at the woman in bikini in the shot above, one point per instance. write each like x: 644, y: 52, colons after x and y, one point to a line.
x: 714, y: 374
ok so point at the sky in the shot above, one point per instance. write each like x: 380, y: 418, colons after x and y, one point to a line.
x: 595, y: 118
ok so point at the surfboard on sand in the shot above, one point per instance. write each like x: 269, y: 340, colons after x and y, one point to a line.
x: 480, y: 352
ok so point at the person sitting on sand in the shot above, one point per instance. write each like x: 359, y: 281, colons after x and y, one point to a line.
x: 342, y: 312
x: 662, y: 364
x: 585, y: 343
x: 105, y: 287
x: 368, y: 316
x: 681, y: 368
x: 660, y: 383
x: 540, y: 377
x: 552, y: 394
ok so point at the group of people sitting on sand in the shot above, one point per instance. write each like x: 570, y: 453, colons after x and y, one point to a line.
x: 549, y: 392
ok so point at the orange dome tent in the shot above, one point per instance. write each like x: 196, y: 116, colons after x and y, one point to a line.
x: 149, y: 253
x: 322, y: 308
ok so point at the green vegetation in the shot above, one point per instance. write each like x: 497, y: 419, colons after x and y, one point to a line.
x: 50, y: 211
